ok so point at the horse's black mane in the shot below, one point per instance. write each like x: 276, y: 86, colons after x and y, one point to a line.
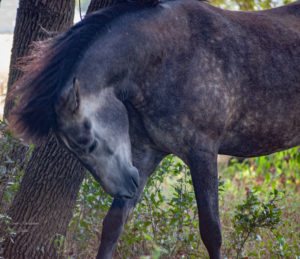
x: 49, y: 67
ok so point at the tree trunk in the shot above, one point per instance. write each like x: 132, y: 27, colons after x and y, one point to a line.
x: 43, y: 204
x: 35, y: 18
x: 98, y: 4
x: 47, y: 195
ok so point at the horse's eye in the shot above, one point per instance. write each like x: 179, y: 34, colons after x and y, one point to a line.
x: 93, y: 146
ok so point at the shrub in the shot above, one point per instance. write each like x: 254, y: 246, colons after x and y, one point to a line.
x: 11, y: 172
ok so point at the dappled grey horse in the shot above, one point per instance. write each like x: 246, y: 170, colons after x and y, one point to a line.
x: 132, y: 83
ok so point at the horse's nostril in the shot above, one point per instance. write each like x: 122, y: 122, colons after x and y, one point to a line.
x: 87, y: 125
x: 135, y: 182
x: 93, y: 146
x: 135, y: 178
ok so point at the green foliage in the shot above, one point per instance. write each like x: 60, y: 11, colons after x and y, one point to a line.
x: 166, y: 218
x: 252, y: 215
x: 7, y: 232
x: 165, y: 225
x: 85, y: 226
x: 248, y: 5
x: 11, y: 169
x: 11, y: 172
x: 279, y: 169
x: 59, y: 243
x: 271, y: 184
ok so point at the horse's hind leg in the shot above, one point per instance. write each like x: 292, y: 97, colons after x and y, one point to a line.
x: 203, y: 166
x: 146, y: 161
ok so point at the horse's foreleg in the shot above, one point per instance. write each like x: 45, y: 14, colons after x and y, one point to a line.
x: 114, y: 222
x: 203, y: 166
x: 113, y: 225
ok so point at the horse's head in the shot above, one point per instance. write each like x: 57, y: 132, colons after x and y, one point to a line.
x: 95, y: 128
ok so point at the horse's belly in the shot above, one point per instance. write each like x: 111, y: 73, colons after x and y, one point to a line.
x: 264, y: 125
x: 259, y: 144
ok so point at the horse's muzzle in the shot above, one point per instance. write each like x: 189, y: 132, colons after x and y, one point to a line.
x: 131, y: 184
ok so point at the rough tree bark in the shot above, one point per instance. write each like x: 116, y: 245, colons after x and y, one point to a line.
x: 98, y: 4
x: 36, y: 19
x: 43, y: 205
x: 47, y: 195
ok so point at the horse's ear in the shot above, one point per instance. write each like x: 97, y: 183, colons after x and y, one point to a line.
x: 70, y: 100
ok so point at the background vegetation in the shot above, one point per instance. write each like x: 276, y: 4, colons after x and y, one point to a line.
x: 259, y: 207
x: 259, y: 204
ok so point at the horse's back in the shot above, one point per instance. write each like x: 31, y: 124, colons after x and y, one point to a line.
x: 260, y: 57
x: 230, y: 76
x: 243, y: 83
